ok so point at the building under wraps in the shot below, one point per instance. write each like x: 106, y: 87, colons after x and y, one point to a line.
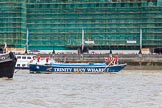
x: 58, y: 24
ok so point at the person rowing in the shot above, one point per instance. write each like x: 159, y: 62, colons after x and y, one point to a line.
x: 113, y: 61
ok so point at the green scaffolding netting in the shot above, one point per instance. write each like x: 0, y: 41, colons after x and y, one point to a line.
x: 59, y: 23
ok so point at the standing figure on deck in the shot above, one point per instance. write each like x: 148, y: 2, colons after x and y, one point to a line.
x: 47, y: 59
x: 38, y: 58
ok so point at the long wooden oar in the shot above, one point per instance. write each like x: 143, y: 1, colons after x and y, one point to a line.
x: 107, y: 66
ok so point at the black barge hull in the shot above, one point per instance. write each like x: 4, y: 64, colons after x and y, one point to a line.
x: 7, y: 65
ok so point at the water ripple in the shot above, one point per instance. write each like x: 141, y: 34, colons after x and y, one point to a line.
x: 128, y: 89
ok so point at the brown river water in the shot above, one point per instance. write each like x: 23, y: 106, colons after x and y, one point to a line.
x: 127, y: 89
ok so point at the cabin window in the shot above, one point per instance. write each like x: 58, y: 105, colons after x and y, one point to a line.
x: 18, y: 57
x: 23, y: 57
x: 28, y: 57
x: 18, y: 65
x: 23, y: 65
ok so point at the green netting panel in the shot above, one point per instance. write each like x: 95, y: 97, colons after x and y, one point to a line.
x: 12, y: 22
x: 59, y: 23
x: 106, y: 25
x: 159, y: 3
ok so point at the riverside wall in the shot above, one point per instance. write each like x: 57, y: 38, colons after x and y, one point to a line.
x: 134, y: 61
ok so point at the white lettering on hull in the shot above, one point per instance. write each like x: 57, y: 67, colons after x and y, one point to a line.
x: 78, y: 69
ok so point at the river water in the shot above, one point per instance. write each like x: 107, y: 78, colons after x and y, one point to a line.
x: 127, y: 89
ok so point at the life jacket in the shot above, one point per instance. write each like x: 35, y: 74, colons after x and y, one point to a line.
x: 106, y: 60
x: 116, y: 59
x: 47, y: 58
x: 38, y: 58
x: 111, y: 59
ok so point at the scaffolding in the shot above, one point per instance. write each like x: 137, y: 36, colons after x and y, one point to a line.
x: 12, y: 22
x: 111, y: 24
